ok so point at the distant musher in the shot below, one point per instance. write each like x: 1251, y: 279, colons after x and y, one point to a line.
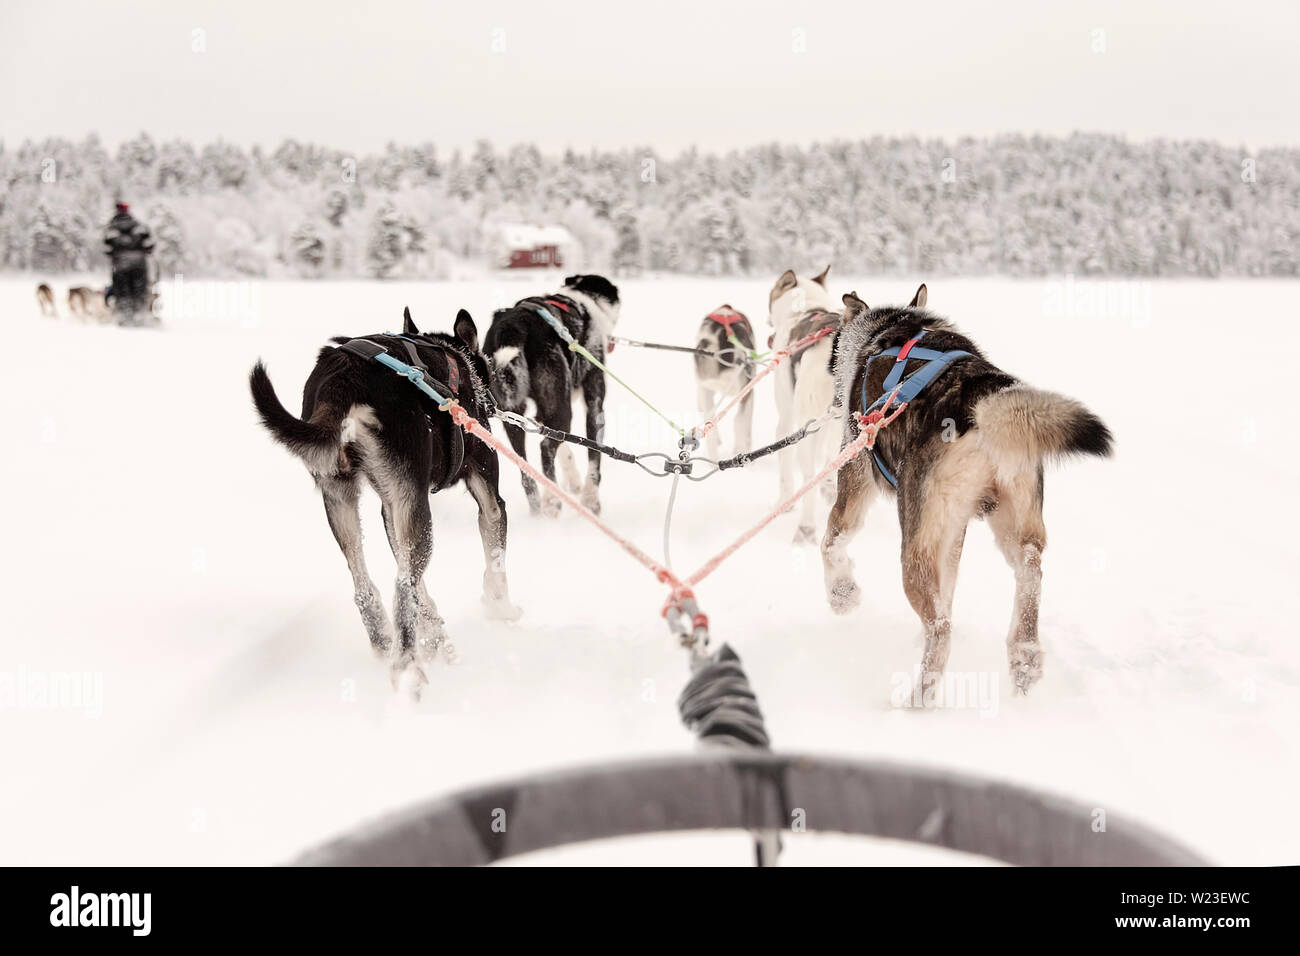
x: 129, y: 244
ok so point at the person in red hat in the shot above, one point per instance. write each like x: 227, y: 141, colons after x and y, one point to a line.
x: 129, y: 245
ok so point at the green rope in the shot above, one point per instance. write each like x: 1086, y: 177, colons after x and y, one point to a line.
x: 754, y: 355
x: 574, y: 346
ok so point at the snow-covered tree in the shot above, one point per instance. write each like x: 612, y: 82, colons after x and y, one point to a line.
x: 387, y: 243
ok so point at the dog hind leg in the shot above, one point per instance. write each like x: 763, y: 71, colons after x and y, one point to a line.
x: 492, y: 531
x: 568, y: 467
x: 341, y: 496
x: 421, y: 632
x: 745, y: 423
x: 593, y: 395
x: 806, y: 532
x: 1017, y: 525
x: 784, y: 389
x: 704, y: 401
x: 934, y: 523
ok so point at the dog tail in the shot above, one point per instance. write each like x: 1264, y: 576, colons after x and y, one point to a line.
x: 319, y: 441
x: 1032, y: 424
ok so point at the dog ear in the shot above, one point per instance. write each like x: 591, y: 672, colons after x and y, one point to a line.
x: 466, y: 330
x: 918, y: 300
x: 853, y: 306
x: 821, y: 279
x: 783, y: 285
x: 408, y: 324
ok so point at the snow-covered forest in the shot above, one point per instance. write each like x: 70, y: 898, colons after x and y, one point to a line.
x: 1013, y: 205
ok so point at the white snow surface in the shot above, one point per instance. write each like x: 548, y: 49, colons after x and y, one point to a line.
x: 156, y: 538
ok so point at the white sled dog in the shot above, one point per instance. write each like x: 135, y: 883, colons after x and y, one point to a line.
x: 804, y: 388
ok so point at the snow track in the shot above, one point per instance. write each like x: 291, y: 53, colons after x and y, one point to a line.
x: 157, y: 537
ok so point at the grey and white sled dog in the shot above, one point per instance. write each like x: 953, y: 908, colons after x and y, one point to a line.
x: 970, y: 444
x: 363, y: 423
x: 532, y: 363
x: 804, y: 389
x: 726, y: 372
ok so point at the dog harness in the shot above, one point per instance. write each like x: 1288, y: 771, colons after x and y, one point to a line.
x: 416, y: 373
x: 453, y: 369
x: 727, y: 319
x: 899, y: 390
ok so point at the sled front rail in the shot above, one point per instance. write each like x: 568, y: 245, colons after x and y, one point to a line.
x: 756, y: 791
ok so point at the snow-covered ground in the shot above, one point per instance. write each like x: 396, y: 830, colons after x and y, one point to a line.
x: 157, y: 540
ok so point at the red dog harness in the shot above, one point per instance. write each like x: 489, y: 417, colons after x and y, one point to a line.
x: 564, y: 307
x: 727, y: 317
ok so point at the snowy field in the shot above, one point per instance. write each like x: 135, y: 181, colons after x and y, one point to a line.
x: 159, y: 542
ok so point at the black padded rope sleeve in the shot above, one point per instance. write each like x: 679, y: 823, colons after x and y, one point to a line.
x: 719, y: 705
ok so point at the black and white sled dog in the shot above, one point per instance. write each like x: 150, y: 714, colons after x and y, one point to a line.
x: 726, y: 372
x: 531, y: 362
x: 970, y: 444
x: 804, y: 390
x: 360, y: 420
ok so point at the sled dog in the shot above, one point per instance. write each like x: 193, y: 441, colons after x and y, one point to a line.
x: 362, y: 421
x: 45, y: 300
x: 798, y: 307
x: 970, y: 444
x: 87, y: 303
x: 723, y: 374
x: 531, y: 362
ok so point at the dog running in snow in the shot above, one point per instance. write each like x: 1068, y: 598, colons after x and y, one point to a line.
x: 360, y: 420
x: 87, y: 303
x: 804, y: 390
x: 971, y: 444
x: 725, y: 372
x: 45, y: 300
x: 530, y: 362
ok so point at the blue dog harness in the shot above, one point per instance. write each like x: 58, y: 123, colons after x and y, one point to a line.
x: 900, y: 394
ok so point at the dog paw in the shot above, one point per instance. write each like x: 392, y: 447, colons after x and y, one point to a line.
x: 805, y: 534
x: 430, y: 637
x: 844, y: 596
x: 550, y: 507
x: 591, y: 498
x: 409, y: 678
x: 1026, y: 665
x: 501, y: 609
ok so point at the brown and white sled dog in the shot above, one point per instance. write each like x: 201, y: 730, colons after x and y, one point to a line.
x: 363, y: 422
x: 804, y: 388
x: 725, y: 373
x: 971, y: 444
x: 45, y: 299
x: 87, y: 303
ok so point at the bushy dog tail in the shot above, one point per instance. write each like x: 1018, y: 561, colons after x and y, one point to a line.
x: 319, y: 441
x: 1026, y: 422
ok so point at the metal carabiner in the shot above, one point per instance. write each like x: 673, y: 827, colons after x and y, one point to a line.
x: 671, y: 466
x: 519, y: 421
x: 700, y: 476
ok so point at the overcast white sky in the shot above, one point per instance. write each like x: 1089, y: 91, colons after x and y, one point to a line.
x: 665, y: 74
